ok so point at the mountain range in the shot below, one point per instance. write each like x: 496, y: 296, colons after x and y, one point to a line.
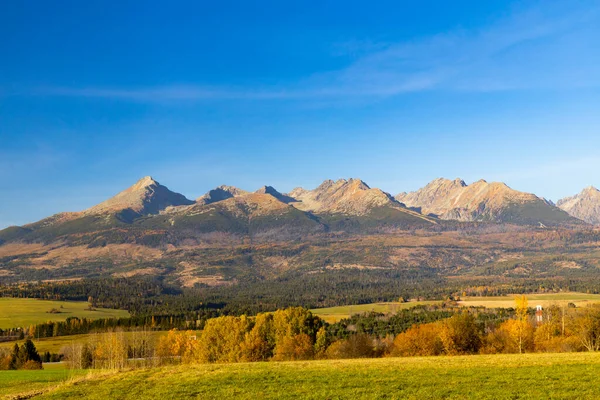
x: 232, y: 235
x: 483, y: 201
x: 148, y: 206
x: 342, y: 204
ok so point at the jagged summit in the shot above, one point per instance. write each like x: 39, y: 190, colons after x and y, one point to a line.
x: 145, y: 182
x: 333, y: 204
x: 585, y: 205
x: 481, y: 201
x: 275, y: 193
x: 146, y: 196
x: 352, y: 196
x: 220, y: 193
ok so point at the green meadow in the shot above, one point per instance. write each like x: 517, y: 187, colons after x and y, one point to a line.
x: 527, y: 376
x: 23, y: 382
x: 334, y: 314
x: 543, y: 299
x: 17, y: 312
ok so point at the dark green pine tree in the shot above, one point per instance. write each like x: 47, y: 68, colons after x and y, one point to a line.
x: 14, y: 358
x: 30, y: 352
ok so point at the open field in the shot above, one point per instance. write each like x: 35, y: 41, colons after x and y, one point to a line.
x: 16, y: 312
x: 531, y: 376
x: 544, y: 299
x: 55, y: 344
x: 334, y: 314
x: 13, y: 382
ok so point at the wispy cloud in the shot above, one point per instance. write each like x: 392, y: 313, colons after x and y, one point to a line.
x: 549, y: 46
x: 173, y: 92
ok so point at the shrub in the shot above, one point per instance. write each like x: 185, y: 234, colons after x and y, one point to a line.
x: 291, y: 348
x: 356, y: 346
x: 419, y: 340
x: 32, y: 365
x: 460, y: 334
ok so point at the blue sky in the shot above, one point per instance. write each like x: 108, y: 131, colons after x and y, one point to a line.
x: 96, y: 94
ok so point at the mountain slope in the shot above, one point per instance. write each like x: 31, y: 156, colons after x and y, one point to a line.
x: 353, y: 197
x: 483, y: 201
x: 146, y: 196
x: 352, y: 206
x: 149, y: 213
x: 255, y: 215
x: 273, y: 192
x: 220, y: 193
x: 585, y: 205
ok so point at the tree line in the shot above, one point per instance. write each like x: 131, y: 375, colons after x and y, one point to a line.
x: 148, y: 296
x: 25, y: 356
x: 296, y: 334
x: 78, y: 326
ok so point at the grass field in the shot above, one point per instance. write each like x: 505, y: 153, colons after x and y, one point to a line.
x: 55, y: 344
x: 545, y: 299
x: 528, y: 376
x: 334, y: 314
x: 15, y: 312
x: 14, y: 382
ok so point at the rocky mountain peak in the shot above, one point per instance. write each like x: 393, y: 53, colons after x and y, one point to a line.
x: 220, y: 193
x: 270, y: 190
x: 480, y: 201
x: 585, y: 205
x: 146, y: 196
x: 143, y: 183
x: 347, y: 196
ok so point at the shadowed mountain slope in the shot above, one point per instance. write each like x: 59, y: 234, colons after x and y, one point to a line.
x: 220, y: 193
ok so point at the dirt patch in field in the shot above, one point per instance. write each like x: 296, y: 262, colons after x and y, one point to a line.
x: 568, y: 265
x: 137, y: 272
x: 278, y: 263
x: 191, y: 275
x: 40, y: 266
x: 211, y: 280
x: 63, y: 280
x: 407, y: 256
x: 338, y: 266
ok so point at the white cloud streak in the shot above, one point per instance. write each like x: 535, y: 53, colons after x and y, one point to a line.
x: 552, y: 46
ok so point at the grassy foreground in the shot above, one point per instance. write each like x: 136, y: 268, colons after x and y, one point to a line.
x: 530, y: 376
x: 15, y: 312
x: 15, y: 382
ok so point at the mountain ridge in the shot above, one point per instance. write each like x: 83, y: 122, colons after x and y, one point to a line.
x: 585, y: 205
x: 483, y: 201
x: 230, y: 234
x: 145, y: 197
x: 441, y: 198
